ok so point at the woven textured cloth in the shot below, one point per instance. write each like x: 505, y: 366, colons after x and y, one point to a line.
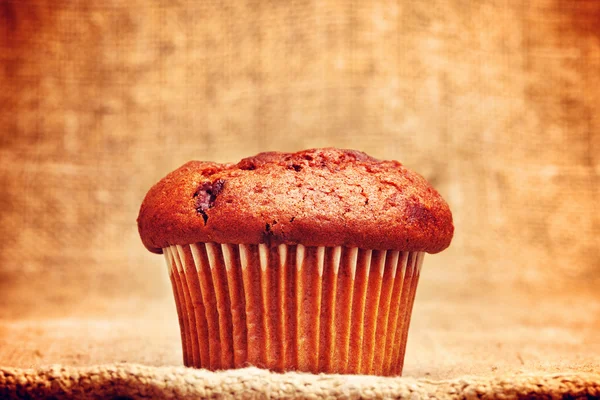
x: 137, y: 381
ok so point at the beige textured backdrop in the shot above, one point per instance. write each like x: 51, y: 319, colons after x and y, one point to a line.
x: 495, y: 102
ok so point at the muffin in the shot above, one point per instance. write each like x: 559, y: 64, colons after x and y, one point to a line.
x: 304, y: 261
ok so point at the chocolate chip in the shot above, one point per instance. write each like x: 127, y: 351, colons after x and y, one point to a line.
x: 267, y: 234
x: 205, y: 196
x: 247, y: 166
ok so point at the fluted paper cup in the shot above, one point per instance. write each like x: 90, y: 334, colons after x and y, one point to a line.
x: 293, y: 308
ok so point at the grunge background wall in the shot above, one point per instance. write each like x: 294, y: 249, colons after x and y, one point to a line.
x: 494, y: 102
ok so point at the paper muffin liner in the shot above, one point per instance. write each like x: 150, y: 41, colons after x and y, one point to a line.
x: 315, y: 309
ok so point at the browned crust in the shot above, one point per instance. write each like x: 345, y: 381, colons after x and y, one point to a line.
x: 317, y: 197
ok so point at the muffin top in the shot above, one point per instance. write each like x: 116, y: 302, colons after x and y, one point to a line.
x: 317, y: 197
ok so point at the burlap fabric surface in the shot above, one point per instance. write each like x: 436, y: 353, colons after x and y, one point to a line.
x: 144, y: 382
x: 495, y: 102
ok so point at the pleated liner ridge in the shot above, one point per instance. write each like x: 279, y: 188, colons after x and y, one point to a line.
x: 315, y: 309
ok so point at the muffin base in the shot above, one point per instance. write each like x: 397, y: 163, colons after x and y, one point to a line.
x: 315, y: 309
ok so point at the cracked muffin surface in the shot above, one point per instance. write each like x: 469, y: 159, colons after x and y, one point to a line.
x: 317, y: 197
